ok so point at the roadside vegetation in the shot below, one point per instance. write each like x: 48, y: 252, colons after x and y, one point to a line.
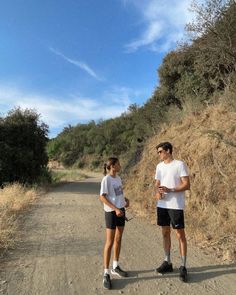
x: 23, y: 167
x: 14, y: 200
x: 66, y: 175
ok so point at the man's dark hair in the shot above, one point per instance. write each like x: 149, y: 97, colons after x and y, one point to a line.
x: 166, y: 146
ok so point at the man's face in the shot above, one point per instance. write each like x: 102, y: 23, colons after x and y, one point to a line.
x: 163, y: 155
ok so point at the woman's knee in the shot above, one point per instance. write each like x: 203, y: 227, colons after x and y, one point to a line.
x: 118, y: 239
x: 109, y: 244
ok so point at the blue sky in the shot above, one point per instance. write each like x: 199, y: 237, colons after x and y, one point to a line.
x: 79, y: 60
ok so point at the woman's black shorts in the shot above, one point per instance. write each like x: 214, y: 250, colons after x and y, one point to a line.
x: 112, y: 221
x: 175, y: 217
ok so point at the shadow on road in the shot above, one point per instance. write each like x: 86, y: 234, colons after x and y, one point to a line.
x: 199, y: 274
x: 85, y: 188
x: 196, y: 275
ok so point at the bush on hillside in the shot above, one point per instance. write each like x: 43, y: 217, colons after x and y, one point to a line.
x: 23, y: 140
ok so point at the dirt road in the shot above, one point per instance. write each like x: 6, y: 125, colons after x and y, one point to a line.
x: 61, y: 248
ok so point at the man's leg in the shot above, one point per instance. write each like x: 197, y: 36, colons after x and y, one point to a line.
x: 182, y: 244
x: 163, y: 220
x: 166, y: 242
x: 183, y: 252
x: 166, y: 266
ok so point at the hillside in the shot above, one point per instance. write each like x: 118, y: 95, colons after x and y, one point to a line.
x: 207, y: 143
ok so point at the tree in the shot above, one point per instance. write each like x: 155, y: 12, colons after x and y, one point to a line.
x: 213, y: 33
x: 23, y: 140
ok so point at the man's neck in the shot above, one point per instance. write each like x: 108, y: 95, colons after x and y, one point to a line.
x: 168, y: 160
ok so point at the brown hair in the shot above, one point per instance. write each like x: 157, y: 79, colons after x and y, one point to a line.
x: 166, y: 146
x: 110, y: 162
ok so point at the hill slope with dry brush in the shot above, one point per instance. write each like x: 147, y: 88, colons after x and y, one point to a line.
x: 207, y: 143
x: 14, y: 199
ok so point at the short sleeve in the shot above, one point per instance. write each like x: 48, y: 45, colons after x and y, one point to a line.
x: 104, y: 186
x: 183, y: 170
x: 158, y: 173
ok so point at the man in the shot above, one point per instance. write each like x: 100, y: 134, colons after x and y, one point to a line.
x: 171, y: 181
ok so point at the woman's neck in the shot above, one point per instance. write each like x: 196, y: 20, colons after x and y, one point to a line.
x: 112, y: 173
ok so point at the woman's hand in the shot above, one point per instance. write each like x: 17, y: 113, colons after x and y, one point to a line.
x: 119, y: 212
x: 126, y: 203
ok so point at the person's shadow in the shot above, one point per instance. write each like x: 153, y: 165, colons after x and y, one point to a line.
x: 195, y: 275
x: 202, y: 273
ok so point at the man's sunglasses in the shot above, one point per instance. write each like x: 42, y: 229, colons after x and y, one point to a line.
x: 159, y: 152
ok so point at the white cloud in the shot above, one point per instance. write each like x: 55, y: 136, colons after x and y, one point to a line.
x: 163, y: 21
x: 80, y: 64
x: 58, y: 113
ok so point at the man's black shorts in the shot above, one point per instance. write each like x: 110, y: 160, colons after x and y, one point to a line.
x: 175, y: 217
x: 112, y: 221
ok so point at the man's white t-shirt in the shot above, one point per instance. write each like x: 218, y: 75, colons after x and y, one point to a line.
x: 112, y: 186
x: 169, y: 175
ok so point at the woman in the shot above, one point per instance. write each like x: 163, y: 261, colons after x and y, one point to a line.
x: 111, y: 195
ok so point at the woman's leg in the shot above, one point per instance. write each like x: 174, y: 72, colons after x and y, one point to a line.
x: 110, y: 234
x: 117, y: 242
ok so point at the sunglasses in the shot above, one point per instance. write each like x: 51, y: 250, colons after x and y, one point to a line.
x: 159, y: 152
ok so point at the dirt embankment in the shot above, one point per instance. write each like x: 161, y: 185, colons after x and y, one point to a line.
x: 207, y: 143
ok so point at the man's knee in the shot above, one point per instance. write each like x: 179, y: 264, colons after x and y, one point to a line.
x: 166, y: 231
x: 180, y: 233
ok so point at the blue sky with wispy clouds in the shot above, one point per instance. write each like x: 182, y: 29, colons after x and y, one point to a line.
x: 74, y: 60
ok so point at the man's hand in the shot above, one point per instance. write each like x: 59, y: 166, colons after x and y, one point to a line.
x: 158, y: 196
x: 163, y: 189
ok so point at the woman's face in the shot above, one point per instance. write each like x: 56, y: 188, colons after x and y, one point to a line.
x: 116, y: 167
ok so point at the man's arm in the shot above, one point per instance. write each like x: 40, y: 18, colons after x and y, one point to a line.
x: 158, y: 194
x: 183, y: 186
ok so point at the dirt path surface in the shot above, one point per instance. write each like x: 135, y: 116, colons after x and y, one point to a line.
x: 61, y: 249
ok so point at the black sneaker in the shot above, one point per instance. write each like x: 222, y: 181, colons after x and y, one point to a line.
x: 119, y: 272
x: 106, y: 281
x: 165, y: 267
x: 183, y: 275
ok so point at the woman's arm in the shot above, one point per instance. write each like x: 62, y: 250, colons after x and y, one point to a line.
x: 108, y: 203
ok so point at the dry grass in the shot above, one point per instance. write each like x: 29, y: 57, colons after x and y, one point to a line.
x: 207, y: 143
x: 13, y: 200
x: 67, y: 175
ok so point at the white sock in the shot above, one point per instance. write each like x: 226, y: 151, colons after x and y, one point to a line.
x: 106, y: 271
x: 115, y: 264
x: 183, y: 260
x: 167, y: 257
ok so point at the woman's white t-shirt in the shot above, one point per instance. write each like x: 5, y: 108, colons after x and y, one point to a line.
x: 169, y: 175
x: 112, y: 187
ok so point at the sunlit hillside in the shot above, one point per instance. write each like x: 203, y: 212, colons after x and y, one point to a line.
x: 207, y: 143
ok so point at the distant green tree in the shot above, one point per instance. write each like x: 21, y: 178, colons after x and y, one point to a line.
x: 23, y: 140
